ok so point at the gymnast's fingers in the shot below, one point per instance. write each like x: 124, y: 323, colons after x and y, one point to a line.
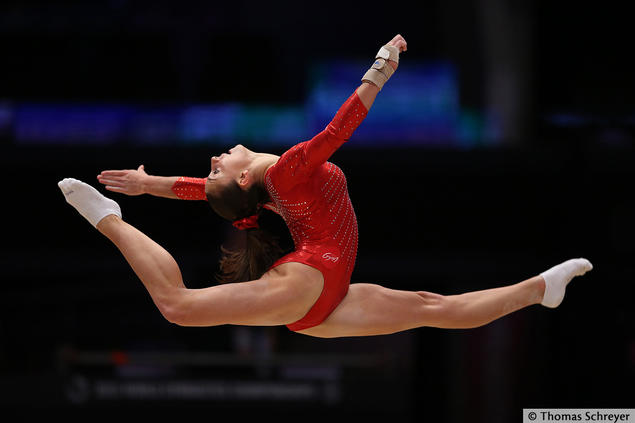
x: 112, y: 188
x: 113, y: 172
x: 111, y: 182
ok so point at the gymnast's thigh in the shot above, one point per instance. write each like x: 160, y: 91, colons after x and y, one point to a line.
x: 370, y: 309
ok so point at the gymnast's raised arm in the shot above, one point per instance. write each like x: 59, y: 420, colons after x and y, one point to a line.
x: 378, y: 74
x: 136, y: 182
x: 298, y: 164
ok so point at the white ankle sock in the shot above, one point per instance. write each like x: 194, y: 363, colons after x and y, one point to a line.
x: 89, y: 202
x: 557, y: 278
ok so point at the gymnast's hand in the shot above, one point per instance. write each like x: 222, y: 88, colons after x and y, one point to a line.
x: 399, y: 42
x: 129, y: 181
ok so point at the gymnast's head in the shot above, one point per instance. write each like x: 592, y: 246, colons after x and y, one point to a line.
x: 232, y: 187
x: 235, y: 190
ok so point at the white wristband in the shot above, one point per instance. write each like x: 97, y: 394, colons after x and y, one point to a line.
x: 388, y: 53
x: 381, y: 70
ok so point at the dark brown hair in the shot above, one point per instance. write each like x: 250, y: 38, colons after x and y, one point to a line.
x: 262, y: 245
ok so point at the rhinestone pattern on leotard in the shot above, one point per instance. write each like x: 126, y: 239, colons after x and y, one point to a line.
x: 187, y: 188
x: 320, y: 211
x: 311, y: 195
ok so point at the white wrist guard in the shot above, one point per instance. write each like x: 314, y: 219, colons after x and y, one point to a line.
x: 381, y: 70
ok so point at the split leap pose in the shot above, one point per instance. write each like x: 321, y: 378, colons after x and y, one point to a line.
x: 308, y: 289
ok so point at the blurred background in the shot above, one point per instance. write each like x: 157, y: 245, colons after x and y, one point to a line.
x: 502, y: 146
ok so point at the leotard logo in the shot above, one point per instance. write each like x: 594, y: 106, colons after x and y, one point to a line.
x: 330, y: 257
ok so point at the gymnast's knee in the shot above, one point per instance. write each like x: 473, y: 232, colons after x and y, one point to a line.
x: 437, y: 310
x: 173, y: 307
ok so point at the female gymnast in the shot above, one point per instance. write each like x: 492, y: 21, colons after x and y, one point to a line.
x: 308, y: 289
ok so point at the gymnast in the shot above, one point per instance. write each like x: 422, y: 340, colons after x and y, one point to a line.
x: 309, y: 289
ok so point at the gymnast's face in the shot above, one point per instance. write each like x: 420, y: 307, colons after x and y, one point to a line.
x: 229, y: 166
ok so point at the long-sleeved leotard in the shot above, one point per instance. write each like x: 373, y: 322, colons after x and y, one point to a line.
x: 187, y: 188
x: 311, y: 195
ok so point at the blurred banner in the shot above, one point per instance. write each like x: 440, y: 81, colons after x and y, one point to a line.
x: 421, y: 108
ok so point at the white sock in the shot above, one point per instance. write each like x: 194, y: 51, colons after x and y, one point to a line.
x: 89, y: 202
x: 557, y: 278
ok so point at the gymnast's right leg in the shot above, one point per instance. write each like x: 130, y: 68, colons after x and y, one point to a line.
x: 154, y: 266
x: 370, y: 309
x: 271, y: 300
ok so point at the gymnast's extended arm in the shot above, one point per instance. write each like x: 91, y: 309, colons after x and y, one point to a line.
x: 137, y: 182
x: 377, y: 75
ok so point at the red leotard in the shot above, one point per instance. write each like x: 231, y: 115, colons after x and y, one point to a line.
x: 186, y: 188
x: 311, y: 195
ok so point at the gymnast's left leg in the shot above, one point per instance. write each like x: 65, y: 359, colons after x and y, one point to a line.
x: 370, y: 309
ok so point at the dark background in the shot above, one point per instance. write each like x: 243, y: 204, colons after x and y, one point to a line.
x: 79, y: 334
